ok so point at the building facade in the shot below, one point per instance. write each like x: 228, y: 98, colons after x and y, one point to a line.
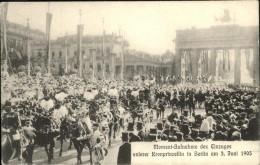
x: 17, y: 37
x: 136, y: 63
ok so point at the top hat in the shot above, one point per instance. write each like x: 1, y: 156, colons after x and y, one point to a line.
x: 95, y: 124
x: 139, y: 125
x: 153, y: 131
x: 163, y: 120
x: 160, y: 126
x: 130, y: 127
x: 185, y: 113
x: 152, y: 137
x: 125, y: 136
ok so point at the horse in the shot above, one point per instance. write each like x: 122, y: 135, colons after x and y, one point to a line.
x: 76, y: 132
x: 10, y: 152
x: 64, y: 134
x: 46, y: 134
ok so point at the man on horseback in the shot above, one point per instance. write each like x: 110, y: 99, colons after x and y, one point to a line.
x: 11, y: 125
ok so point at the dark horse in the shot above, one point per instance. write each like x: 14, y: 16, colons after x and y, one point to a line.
x: 75, y: 133
x: 9, y: 151
x: 64, y: 133
x: 46, y: 134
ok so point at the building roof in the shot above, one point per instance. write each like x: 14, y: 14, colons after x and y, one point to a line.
x: 72, y: 39
x: 217, y: 32
x: 20, y: 30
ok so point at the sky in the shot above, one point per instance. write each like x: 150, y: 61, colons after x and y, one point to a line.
x: 148, y: 26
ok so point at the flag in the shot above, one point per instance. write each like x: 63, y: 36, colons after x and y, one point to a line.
x: 4, y: 8
x: 79, y: 43
x: 48, y: 34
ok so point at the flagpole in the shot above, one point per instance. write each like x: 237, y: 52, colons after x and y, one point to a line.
x: 103, y: 51
x: 93, y: 59
x: 122, y: 58
x: 66, y: 53
x: 28, y: 49
x: 80, y: 33
x: 48, y: 31
x: 4, y: 15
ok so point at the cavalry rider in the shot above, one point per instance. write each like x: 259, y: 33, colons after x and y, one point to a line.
x: 11, y: 124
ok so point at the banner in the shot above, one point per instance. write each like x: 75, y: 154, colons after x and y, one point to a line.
x: 4, y: 54
x: 79, y: 43
x: 48, y: 34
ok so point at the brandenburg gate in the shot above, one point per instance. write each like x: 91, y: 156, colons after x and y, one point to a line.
x: 208, y: 52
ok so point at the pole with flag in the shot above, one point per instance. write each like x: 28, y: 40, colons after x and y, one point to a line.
x: 93, y: 59
x: 122, y: 58
x: 79, y: 44
x: 48, y: 33
x: 28, y: 49
x: 79, y: 40
x: 4, y: 9
x: 103, y: 51
x: 113, y: 59
x: 66, y: 53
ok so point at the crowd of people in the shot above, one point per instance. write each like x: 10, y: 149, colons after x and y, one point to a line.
x: 138, y: 106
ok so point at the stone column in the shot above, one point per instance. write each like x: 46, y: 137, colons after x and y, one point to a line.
x: 177, y: 63
x: 135, y: 70
x: 112, y: 66
x: 144, y: 70
x: 237, y: 72
x: 194, y: 64
x: 213, y: 62
x: 256, y: 65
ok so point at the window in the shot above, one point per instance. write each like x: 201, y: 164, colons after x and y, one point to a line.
x: 39, y: 54
x: 91, y: 66
x: 60, y: 55
x: 99, y: 67
x: 75, y: 66
x: 98, y: 51
x: 108, y: 50
x: 53, y: 55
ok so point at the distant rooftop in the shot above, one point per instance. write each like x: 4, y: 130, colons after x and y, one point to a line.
x: 22, y: 31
